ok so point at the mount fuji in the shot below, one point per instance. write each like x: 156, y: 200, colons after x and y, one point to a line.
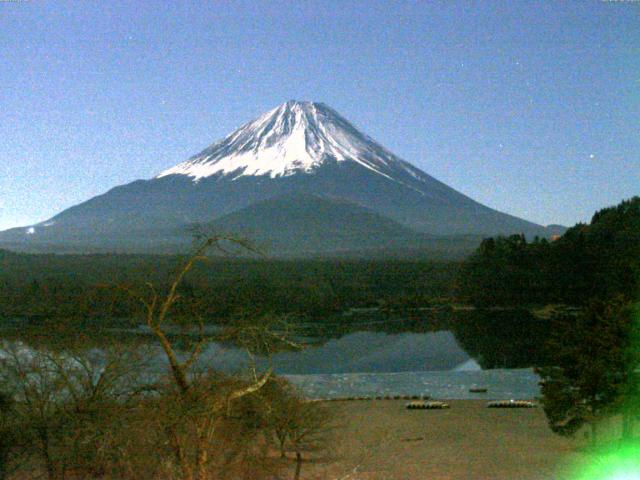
x: 299, y: 178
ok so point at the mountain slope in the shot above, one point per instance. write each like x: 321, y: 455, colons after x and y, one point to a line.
x: 298, y: 147
x: 303, y: 223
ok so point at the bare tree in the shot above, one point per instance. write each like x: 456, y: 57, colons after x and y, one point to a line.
x: 199, y: 401
x: 309, y: 430
x: 98, y: 413
x: 67, y: 404
x: 39, y: 401
x: 299, y: 427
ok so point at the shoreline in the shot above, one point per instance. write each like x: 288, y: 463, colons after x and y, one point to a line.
x: 386, y: 441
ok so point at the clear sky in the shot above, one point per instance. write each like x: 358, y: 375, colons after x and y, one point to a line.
x: 532, y: 108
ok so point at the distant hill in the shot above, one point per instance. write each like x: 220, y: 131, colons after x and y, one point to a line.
x: 306, y: 223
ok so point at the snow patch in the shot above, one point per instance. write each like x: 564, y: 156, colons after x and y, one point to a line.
x: 294, y: 137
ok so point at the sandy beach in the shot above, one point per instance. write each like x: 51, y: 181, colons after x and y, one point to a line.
x: 383, y: 440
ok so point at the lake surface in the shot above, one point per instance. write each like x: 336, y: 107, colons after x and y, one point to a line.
x: 493, y: 352
x: 500, y: 384
x: 376, y: 364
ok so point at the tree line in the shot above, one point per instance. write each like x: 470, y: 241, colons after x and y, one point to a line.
x: 71, y: 286
x: 590, y: 367
x: 596, y: 260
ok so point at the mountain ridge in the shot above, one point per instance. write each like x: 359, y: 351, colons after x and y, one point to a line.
x: 298, y: 147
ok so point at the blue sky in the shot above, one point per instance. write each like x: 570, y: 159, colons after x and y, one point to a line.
x: 532, y: 108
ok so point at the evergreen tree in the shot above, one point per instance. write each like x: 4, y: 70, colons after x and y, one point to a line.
x: 593, y: 358
x: 599, y: 260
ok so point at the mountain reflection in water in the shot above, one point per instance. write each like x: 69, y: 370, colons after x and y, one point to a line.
x: 358, y: 352
x: 460, y: 341
x: 442, y: 355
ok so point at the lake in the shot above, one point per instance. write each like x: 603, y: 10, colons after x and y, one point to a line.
x: 492, y: 350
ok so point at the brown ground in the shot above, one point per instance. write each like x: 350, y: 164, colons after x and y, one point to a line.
x: 468, y: 441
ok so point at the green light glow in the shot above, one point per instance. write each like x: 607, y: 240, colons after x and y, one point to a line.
x: 618, y: 463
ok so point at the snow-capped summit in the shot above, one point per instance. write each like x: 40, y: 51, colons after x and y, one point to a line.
x: 293, y: 137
